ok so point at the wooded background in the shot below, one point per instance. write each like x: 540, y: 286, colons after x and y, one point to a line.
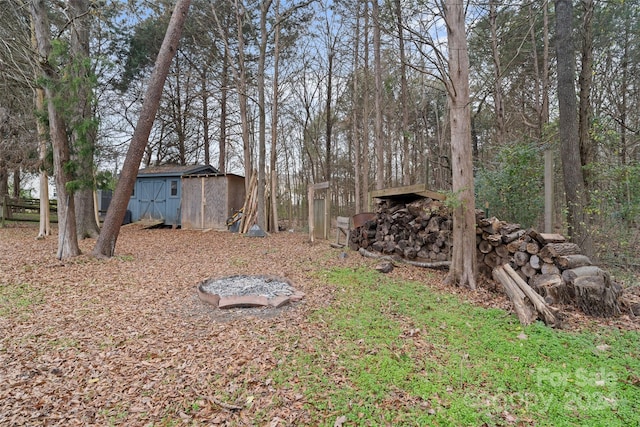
x: 350, y: 92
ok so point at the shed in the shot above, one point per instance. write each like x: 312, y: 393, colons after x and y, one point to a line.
x: 157, y: 194
x: 208, y: 200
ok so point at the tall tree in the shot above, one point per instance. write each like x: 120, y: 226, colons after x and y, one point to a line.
x: 238, y: 67
x: 328, y: 112
x: 273, y: 158
x: 224, y: 91
x: 4, y: 175
x: 463, y: 264
x: 377, y: 70
x: 569, y: 142
x: 83, y: 123
x: 45, y: 221
x: 356, y: 135
x: 585, y: 80
x: 366, y: 106
x: 541, y: 71
x: 498, y: 103
x: 67, y: 233
x: 265, y: 5
x: 242, y: 88
x: 404, y: 97
x: 106, y: 243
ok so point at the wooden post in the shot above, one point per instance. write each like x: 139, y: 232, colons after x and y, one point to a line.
x: 548, y: 191
x: 310, y: 195
x: 203, y: 203
x: 327, y: 214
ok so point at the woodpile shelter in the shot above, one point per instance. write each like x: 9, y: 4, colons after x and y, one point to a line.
x: 536, y: 270
x: 190, y: 196
x: 209, y: 199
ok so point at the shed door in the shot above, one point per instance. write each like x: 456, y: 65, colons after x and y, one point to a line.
x: 153, y: 200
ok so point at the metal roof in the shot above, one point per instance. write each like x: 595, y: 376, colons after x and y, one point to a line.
x: 206, y: 174
x: 177, y: 170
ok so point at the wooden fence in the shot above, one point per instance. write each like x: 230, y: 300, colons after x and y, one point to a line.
x: 23, y: 209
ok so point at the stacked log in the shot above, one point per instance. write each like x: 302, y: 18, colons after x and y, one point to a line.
x: 420, y: 230
x: 554, y: 268
x: 527, y: 304
x: 530, y: 253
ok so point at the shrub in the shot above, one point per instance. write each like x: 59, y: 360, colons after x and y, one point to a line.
x: 512, y: 185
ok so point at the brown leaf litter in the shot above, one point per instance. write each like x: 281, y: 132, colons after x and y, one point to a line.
x: 127, y: 341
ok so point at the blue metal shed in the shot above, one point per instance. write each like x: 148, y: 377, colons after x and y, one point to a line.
x: 157, y: 194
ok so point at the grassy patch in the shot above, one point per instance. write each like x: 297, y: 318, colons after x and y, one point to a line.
x: 16, y: 299
x: 64, y: 343
x: 397, y: 353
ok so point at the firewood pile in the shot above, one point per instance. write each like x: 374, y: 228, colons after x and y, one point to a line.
x: 554, y: 268
x: 420, y: 231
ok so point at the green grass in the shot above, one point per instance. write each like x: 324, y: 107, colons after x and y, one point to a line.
x: 397, y: 353
x: 16, y: 299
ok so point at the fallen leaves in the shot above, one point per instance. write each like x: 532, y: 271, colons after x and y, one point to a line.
x: 126, y: 340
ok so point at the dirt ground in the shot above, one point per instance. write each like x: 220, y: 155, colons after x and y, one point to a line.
x: 127, y: 341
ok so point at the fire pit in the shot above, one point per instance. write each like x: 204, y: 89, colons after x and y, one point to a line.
x: 248, y: 291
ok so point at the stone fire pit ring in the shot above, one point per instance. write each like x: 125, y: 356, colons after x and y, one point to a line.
x: 245, y: 291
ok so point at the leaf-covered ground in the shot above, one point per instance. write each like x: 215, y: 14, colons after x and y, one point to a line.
x: 126, y: 341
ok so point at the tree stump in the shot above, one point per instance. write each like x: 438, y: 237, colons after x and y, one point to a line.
x: 597, y: 296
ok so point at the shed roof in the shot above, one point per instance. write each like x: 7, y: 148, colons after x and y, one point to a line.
x: 207, y: 174
x: 177, y: 170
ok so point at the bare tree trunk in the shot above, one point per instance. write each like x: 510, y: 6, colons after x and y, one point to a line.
x: 569, y: 143
x: 624, y: 82
x: 366, y: 110
x: 241, y: 84
x: 4, y: 181
x: 205, y: 119
x: 240, y: 75
x: 222, y: 144
x: 404, y: 99
x: 274, y: 125
x: 587, y: 148
x: 262, y: 119
x: 105, y: 246
x: 328, y: 119
x: 85, y: 214
x: 45, y: 222
x: 463, y: 264
x: 541, y: 83
x: 498, y: 105
x: 545, y: 64
x: 178, y: 113
x: 357, y: 159
x: 377, y: 65
x: 16, y: 183
x: 67, y: 235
